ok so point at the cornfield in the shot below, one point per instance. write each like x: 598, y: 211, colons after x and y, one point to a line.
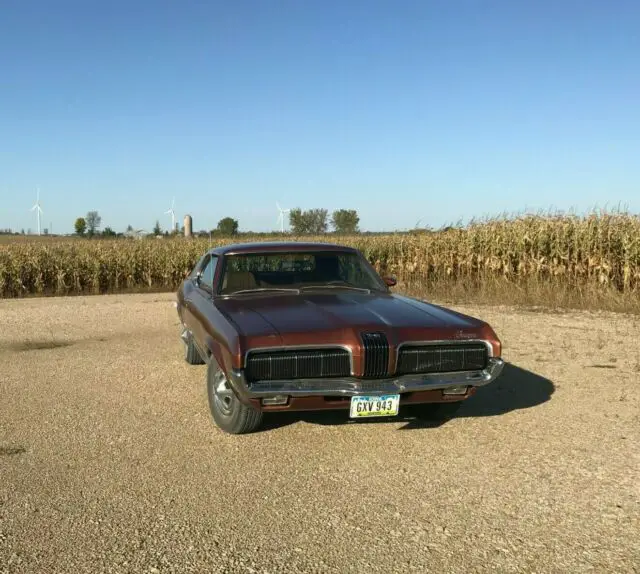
x: 598, y: 253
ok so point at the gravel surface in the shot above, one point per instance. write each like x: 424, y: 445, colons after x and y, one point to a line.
x: 110, y: 462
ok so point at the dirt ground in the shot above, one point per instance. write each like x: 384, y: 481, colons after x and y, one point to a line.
x: 110, y: 462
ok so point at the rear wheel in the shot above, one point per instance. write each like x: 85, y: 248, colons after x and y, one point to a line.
x: 227, y: 411
x: 191, y: 353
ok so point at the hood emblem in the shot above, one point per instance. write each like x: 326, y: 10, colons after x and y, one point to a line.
x: 460, y: 334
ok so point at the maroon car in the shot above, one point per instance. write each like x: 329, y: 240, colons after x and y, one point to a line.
x: 291, y: 326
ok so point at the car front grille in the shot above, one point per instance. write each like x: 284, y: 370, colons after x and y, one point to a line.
x: 376, y: 355
x: 297, y: 364
x: 442, y: 358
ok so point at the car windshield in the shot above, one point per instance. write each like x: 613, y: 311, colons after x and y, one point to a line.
x: 246, y: 272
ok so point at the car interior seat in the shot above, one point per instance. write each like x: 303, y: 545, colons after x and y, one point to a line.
x: 238, y: 280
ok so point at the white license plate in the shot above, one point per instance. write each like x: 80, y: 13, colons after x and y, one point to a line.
x: 374, y: 406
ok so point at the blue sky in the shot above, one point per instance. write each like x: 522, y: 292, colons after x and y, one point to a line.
x: 431, y: 110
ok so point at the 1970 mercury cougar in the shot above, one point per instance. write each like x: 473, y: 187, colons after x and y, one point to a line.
x: 291, y: 326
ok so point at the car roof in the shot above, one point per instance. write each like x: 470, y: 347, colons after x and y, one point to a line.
x: 279, y: 247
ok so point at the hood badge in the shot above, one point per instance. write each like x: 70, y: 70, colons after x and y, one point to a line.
x: 462, y: 335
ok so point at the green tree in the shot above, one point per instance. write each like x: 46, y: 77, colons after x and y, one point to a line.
x: 108, y: 232
x: 317, y: 219
x: 297, y: 221
x: 311, y: 221
x: 80, y: 225
x: 345, y: 221
x: 157, y: 229
x: 93, y: 220
x: 227, y: 226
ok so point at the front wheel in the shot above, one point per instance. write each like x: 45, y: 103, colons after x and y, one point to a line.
x: 227, y: 411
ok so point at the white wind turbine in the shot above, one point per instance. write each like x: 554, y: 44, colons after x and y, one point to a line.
x: 281, y: 216
x: 173, y: 215
x: 39, y: 209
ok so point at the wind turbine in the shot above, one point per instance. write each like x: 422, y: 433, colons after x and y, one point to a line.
x: 39, y: 209
x: 281, y: 216
x: 173, y: 215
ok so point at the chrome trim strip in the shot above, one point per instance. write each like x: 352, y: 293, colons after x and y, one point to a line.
x: 351, y: 387
x: 319, y: 347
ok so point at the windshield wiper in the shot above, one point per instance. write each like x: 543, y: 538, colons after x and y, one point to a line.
x: 262, y: 289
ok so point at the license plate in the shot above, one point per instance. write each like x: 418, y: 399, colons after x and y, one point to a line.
x: 374, y: 406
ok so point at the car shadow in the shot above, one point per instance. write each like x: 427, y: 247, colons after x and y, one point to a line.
x: 515, y: 389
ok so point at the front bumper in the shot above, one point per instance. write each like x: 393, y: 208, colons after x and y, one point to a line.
x: 347, y: 387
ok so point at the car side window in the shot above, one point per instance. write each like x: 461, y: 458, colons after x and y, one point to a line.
x: 208, y: 273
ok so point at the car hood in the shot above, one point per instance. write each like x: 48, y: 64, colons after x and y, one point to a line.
x: 298, y: 319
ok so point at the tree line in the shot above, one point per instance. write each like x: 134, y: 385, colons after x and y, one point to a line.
x: 301, y: 222
x: 308, y: 222
x: 316, y: 221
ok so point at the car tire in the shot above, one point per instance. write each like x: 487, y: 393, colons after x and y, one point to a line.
x: 440, y: 412
x: 191, y: 353
x: 229, y: 414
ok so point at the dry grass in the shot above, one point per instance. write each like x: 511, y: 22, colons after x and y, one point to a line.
x: 110, y: 462
x: 6, y: 239
x: 532, y: 294
x: 561, y: 261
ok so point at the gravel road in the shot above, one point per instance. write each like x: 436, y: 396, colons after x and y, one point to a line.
x: 109, y: 461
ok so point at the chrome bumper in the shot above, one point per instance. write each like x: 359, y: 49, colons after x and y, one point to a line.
x: 353, y: 386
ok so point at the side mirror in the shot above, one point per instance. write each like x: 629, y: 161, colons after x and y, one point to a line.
x: 390, y: 281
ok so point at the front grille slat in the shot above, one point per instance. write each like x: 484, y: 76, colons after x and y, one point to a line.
x: 442, y: 358
x: 335, y: 362
x: 376, y: 355
x: 297, y: 364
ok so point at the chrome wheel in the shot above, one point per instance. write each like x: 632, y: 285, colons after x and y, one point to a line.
x: 228, y: 412
x: 222, y: 394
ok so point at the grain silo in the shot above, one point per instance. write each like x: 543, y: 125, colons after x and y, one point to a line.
x: 188, y: 225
